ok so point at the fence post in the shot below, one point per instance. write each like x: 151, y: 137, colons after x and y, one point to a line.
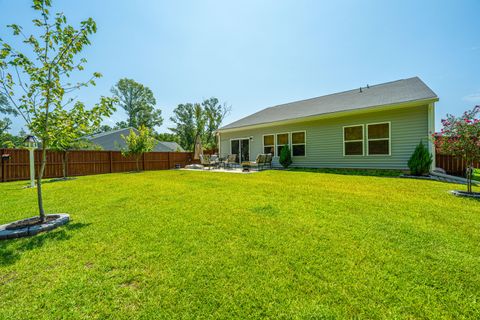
x: 111, y: 163
x: 169, y: 164
x: 143, y: 160
x: 2, y: 151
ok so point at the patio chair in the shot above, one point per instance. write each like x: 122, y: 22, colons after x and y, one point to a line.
x: 205, y: 161
x: 268, y: 160
x: 259, y: 162
x: 231, y: 161
x: 214, y: 161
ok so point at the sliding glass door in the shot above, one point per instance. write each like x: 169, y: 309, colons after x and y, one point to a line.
x: 240, y: 147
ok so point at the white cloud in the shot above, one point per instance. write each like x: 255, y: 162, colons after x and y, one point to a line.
x: 474, y: 97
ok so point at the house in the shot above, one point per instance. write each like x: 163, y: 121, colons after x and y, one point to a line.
x: 112, y: 141
x: 374, y: 127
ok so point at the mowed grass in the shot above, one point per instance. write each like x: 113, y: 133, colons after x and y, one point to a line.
x: 275, y: 244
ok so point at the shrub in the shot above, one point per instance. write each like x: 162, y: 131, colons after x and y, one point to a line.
x: 420, y: 161
x: 476, y: 175
x: 285, y: 157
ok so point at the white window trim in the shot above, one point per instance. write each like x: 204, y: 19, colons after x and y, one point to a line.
x: 299, y: 144
x: 362, y: 141
x: 276, y: 144
x: 381, y: 139
x: 269, y: 145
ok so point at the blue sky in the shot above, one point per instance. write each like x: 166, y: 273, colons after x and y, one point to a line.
x: 254, y: 54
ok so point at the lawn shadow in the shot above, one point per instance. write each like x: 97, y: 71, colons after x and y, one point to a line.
x: 12, y: 250
x: 59, y: 179
x: 384, y: 173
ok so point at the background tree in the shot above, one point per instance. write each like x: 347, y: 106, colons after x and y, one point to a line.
x: 167, y: 137
x: 185, y: 125
x: 138, y: 144
x: 72, y: 125
x: 192, y: 120
x: 5, y: 125
x: 36, y: 81
x: 139, y: 103
x: 460, y: 136
x: 214, y: 115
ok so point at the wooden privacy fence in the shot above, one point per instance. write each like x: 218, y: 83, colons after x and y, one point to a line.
x: 453, y: 165
x: 86, y: 162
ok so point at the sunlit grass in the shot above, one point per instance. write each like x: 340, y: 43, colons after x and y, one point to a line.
x: 275, y: 244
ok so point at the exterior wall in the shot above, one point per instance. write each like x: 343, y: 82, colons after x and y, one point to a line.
x: 324, y: 139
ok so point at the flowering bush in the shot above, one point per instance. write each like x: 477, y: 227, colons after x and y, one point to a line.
x: 460, y: 136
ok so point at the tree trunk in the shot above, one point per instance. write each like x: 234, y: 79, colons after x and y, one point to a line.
x: 64, y: 165
x: 469, y: 177
x: 41, y: 171
x: 137, y: 161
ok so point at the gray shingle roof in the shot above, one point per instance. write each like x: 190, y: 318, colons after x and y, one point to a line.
x: 390, y: 93
x: 112, y: 141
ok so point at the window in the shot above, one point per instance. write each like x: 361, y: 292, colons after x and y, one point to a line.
x: 353, y: 140
x: 269, y: 144
x: 378, y: 136
x: 282, y: 140
x: 298, y: 144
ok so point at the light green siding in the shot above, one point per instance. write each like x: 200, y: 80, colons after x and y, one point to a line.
x: 324, y: 139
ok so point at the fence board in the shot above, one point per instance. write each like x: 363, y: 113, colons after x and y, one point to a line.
x: 86, y: 162
x: 453, y: 165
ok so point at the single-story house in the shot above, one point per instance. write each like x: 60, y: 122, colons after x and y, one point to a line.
x: 375, y: 127
x: 112, y: 141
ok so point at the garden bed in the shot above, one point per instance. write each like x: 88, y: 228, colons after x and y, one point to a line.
x: 458, y: 193
x: 32, y: 226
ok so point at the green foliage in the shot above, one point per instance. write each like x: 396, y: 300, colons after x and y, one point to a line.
x: 5, y: 125
x: 167, y: 137
x: 138, y: 144
x: 420, y: 161
x: 285, y: 156
x: 71, y: 125
x: 460, y: 136
x: 192, y: 120
x: 139, y: 103
x: 476, y: 174
x: 35, y: 81
x: 173, y: 244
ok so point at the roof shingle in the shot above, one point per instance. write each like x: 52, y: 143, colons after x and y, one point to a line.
x: 390, y: 93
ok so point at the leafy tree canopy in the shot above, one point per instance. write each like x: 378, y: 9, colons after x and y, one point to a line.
x: 198, y: 119
x: 139, y: 103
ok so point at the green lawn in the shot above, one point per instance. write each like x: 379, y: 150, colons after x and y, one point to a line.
x: 276, y: 244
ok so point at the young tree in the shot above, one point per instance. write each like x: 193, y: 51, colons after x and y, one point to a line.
x: 460, y: 136
x: 138, y: 144
x: 139, y: 103
x: 71, y: 125
x: 36, y: 81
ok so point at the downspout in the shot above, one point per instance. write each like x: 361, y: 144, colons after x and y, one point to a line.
x: 431, y: 131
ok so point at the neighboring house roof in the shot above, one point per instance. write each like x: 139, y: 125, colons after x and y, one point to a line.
x: 112, y: 141
x: 390, y: 93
